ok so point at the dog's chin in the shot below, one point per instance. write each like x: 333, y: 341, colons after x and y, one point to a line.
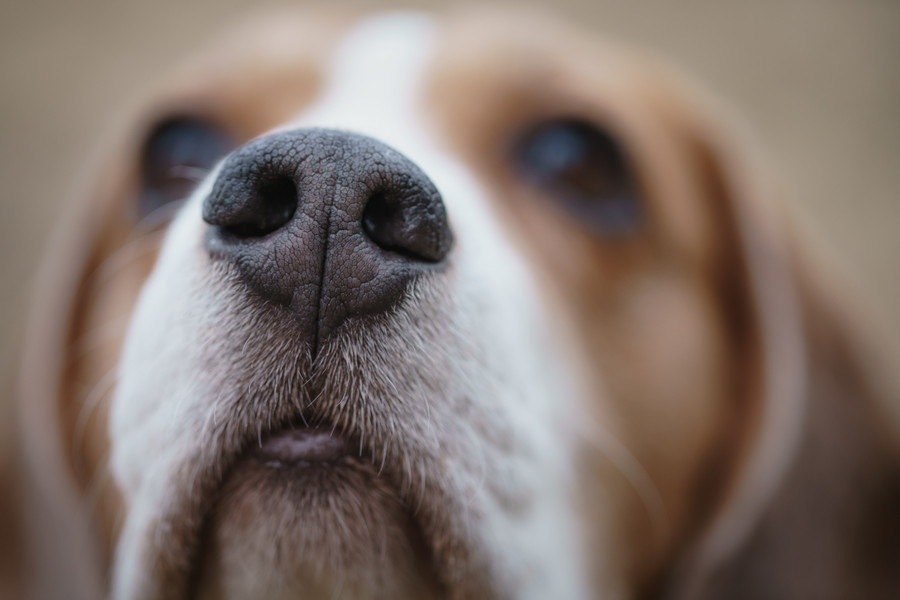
x: 306, y: 513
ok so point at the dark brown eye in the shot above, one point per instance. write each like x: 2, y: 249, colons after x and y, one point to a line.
x: 176, y: 155
x: 584, y: 170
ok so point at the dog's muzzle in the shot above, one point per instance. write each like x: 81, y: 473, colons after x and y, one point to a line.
x: 328, y: 224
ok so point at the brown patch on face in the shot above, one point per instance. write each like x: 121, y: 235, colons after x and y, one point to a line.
x: 662, y: 316
x: 261, y: 76
x: 356, y: 531
x: 658, y: 313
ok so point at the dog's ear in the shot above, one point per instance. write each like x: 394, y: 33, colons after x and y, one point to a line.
x: 810, y: 507
x: 103, y: 250
x: 11, y: 563
x: 63, y: 553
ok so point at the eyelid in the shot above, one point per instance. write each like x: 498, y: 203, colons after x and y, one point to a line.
x: 584, y: 170
x: 206, y: 141
x: 175, y: 155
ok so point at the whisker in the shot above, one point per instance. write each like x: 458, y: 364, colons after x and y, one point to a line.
x: 195, y: 174
x: 129, y: 252
x: 89, y: 404
x: 159, y: 216
x: 97, y: 336
x: 134, y: 249
x: 147, y: 234
x: 98, y: 481
x: 632, y: 470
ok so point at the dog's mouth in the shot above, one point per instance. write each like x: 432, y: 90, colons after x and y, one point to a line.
x: 306, y: 447
x: 311, y: 478
x: 308, y: 505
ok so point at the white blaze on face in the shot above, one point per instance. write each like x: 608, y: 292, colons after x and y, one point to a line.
x: 375, y: 88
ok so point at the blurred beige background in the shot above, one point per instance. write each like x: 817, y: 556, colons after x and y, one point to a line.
x: 818, y: 80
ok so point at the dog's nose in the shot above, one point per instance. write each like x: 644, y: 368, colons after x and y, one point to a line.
x: 329, y: 224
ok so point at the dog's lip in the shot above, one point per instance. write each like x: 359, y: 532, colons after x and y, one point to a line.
x: 285, y: 446
x: 305, y: 446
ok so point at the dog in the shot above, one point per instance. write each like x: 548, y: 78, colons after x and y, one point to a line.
x: 468, y: 305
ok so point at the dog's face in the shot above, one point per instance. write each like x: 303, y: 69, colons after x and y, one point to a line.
x: 466, y: 311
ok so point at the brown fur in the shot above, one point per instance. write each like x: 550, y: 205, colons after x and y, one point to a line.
x: 691, y: 415
x: 833, y: 530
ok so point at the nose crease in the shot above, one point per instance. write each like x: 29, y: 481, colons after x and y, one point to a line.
x: 323, y: 263
x: 358, y: 223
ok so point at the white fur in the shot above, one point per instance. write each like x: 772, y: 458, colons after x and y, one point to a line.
x: 164, y: 401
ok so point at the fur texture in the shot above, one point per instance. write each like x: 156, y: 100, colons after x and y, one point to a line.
x: 552, y: 415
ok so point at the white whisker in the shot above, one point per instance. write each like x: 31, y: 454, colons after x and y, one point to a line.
x: 633, y: 471
x: 195, y: 174
x: 89, y: 404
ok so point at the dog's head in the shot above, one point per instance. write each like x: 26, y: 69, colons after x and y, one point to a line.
x: 470, y: 308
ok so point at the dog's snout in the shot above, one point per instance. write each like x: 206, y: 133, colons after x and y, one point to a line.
x: 330, y: 224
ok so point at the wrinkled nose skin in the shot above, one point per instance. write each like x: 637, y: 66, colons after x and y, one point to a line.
x: 329, y: 224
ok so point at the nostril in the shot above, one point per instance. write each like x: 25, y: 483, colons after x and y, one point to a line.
x: 381, y: 222
x: 271, y: 209
x: 328, y: 225
x: 412, y: 227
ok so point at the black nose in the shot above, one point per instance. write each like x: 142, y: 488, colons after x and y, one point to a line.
x: 329, y: 224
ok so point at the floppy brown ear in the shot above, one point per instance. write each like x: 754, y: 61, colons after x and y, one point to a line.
x: 63, y: 550
x: 812, y: 509
x: 832, y: 528
x: 11, y: 579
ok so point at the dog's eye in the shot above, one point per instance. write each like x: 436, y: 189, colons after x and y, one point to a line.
x: 176, y: 155
x: 584, y: 170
